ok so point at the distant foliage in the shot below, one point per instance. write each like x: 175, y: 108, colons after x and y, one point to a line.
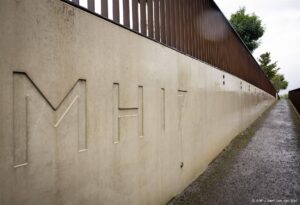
x: 249, y: 27
x: 269, y: 68
x: 279, y: 82
x: 285, y: 96
x: 271, y: 71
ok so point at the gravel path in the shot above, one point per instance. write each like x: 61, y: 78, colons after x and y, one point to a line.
x: 260, y: 166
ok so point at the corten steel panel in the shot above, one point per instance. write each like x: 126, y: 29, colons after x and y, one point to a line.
x: 190, y: 27
x: 135, y: 18
x: 91, y: 5
x: 234, y: 56
x: 220, y: 39
x: 116, y: 11
x: 294, y: 96
x: 104, y: 8
x: 168, y: 29
x: 215, y: 38
x: 189, y: 32
x: 172, y: 24
x: 162, y: 21
x: 209, y: 19
x: 156, y: 20
x: 126, y: 13
x: 76, y: 2
x: 177, y: 24
x: 184, y: 30
x: 201, y: 41
x: 206, y: 46
x: 143, y: 17
x: 184, y: 22
x: 196, y: 28
x: 178, y: 16
x: 150, y: 18
x: 211, y: 31
x: 201, y: 32
x: 182, y: 25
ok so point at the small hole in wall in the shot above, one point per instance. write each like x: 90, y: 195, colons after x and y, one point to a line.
x: 181, y: 165
x: 223, y: 76
x: 223, y: 82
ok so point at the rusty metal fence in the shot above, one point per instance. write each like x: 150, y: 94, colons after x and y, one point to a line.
x: 294, y: 96
x: 196, y: 28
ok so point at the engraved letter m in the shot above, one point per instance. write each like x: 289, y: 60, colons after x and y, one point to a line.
x: 27, y: 92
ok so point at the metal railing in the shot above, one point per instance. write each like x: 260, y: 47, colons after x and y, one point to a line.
x: 196, y: 28
x: 294, y: 96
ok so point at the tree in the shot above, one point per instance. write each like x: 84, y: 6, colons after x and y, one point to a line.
x: 249, y: 27
x: 270, y: 69
x: 279, y: 82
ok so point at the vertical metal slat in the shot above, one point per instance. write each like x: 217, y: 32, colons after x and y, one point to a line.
x: 76, y: 2
x: 189, y: 24
x: 104, y: 8
x: 135, y: 18
x: 198, y: 29
x: 150, y: 18
x: 181, y: 25
x: 126, y: 13
x: 143, y: 17
x: 91, y: 5
x: 168, y: 33
x: 162, y: 21
x: 177, y: 24
x: 192, y: 28
x: 184, y: 27
x: 172, y: 24
x: 156, y: 20
x: 116, y: 11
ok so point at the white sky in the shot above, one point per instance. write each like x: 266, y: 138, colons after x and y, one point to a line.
x: 281, y: 19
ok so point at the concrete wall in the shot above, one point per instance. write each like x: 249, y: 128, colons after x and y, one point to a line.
x: 94, y: 114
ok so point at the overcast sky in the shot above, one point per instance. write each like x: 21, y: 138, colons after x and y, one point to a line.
x: 281, y: 19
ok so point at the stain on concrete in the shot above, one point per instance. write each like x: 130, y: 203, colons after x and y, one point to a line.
x: 260, y: 166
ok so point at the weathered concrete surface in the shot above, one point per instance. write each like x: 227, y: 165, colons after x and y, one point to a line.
x: 92, y: 113
x: 259, y: 165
